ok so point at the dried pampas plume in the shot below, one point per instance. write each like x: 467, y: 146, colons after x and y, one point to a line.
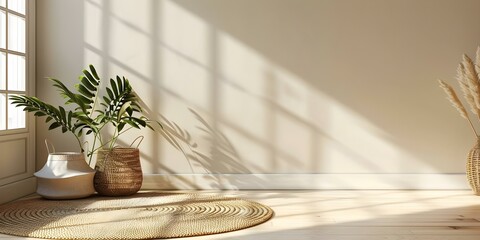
x: 467, y: 93
x: 477, y: 62
x: 468, y: 77
x: 471, y: 77
x: 453, y: 98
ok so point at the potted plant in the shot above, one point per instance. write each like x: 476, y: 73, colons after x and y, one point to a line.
x: 468, y: 77
x: 118, y: 170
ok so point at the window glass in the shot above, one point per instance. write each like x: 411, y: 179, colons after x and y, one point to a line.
x: 13, y: 65
x: 16, y: 116
x: 16, y: 33
x: 3, y: 73
x: 3, y: 117
x: 17, y: 6
x: 16, y: 72
x: 3, y: 29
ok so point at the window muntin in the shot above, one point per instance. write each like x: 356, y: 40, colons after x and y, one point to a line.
x: 17, y: 6
x: 3, y: 29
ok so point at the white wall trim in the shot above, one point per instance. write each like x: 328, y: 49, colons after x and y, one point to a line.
x: 305, y: 181
x: 17, y: 189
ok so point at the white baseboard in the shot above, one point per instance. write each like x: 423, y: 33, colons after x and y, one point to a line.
x: 305, y: 181
x: 15, y: 190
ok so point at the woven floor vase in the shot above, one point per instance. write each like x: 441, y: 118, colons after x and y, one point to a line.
x: 118, y: 172
x: 473, y: 168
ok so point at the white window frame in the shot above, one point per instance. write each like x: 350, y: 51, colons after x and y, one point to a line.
x: 23, y: 183
x: 29, y: 63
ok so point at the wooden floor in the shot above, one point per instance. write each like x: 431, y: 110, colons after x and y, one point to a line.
x: 369, y: 215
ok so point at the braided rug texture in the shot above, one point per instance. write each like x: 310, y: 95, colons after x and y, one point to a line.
x: 141, y: 216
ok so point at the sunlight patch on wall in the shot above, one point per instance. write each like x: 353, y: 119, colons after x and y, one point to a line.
x: 93, y: 27
x: 185, y: 33
x: 276, y: 121
x: 243, y: 111
x: 123, y: 46
x: 186, y: 79
x: 241, y: 66
x: 121, y: 11
x: 302, y: 127
x: 292, y: 141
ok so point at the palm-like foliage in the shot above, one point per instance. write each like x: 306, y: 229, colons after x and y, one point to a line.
x: 119, y: 107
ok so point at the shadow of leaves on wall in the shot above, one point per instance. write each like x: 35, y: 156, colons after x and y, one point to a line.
x: 216, y: 162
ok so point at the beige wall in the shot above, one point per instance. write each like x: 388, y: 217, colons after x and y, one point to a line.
x: 275, y: 86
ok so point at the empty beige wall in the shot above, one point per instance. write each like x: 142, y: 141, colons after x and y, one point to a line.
x: 275, y: 86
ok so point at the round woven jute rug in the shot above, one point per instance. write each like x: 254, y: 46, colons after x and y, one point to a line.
x: 141, y: 216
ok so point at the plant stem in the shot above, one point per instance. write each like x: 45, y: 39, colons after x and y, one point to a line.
x: 473, y: 128
x: 93, y: 147
x: 79, y: 143
x: 114, y: 138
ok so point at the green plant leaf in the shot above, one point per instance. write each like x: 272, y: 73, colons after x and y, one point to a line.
x: 83, y: 90
x: 85, y: 101
x: 89, y: 76
x: 64, y: 91
x: 131, y: 123
x: 85, y: 82
x: 119, y: 83
x: 124, y: 108
x: 69, y: 119
x: 110, y: 94
x: 94, y: 72
x: 130, y: 111
x: 30, y: 109
x: 139, y: 121
x: 120, y: 126
x: 114, y: 87
x: 54, y: 125
x: 63, y: 115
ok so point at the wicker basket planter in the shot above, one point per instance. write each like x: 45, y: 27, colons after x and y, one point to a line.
x: 118, y: 172
x: 473, y: 168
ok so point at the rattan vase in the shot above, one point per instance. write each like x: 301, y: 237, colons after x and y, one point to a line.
x: 118, y: 172
x: 473, y: 168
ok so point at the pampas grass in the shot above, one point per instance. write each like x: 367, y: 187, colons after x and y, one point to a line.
x: 468, y: 77
x: 472, y: 78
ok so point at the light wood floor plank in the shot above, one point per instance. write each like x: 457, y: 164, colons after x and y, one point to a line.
x: 361, y: 215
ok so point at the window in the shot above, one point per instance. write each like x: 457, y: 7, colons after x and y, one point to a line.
x: 13, y: 64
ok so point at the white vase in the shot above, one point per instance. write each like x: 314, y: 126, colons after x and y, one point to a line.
x: 66, y: 175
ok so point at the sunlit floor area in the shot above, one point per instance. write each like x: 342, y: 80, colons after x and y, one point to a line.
x: 369, y: 215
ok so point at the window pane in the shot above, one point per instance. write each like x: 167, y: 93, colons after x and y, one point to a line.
x: 16, y: 72
x: 17, y: 6
x: 16, y: 116
x: 3, y: 29
x: 3, y: 107
x: 3, y: 67
x: 2, y: 3
x: 16, y: 33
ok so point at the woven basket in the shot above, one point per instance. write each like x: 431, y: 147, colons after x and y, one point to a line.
x: 118, y: 172
x: 473, y: 168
